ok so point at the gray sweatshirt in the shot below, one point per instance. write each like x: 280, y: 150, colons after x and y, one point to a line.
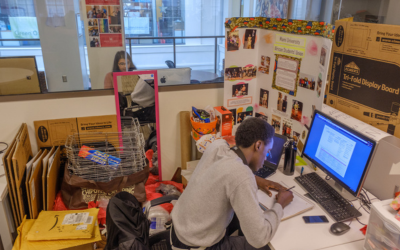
x: 221, y: 185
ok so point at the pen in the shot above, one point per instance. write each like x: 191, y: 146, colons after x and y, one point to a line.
x: 289, y: 188
x: 302, y: 168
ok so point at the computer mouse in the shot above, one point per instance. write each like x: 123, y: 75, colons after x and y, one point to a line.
x: 339, y: 228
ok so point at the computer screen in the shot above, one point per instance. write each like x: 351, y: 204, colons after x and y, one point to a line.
x: 340, y: 151
x: 276, y: 152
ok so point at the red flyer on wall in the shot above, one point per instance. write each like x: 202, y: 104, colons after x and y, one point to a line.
x: 111, y: 40
x: 103, y: 2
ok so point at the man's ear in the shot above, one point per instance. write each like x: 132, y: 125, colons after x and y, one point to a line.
x: 257, y: 145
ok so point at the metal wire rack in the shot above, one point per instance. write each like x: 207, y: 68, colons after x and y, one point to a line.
x: 127, y: 146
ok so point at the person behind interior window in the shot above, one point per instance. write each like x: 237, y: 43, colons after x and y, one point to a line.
x: 120, y: 65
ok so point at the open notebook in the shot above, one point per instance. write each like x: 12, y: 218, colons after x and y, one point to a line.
x: 299, y: 205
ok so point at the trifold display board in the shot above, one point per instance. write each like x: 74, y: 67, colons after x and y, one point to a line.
x: 276, y: 69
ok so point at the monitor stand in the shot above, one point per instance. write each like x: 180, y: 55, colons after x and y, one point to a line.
x: 342, y: 191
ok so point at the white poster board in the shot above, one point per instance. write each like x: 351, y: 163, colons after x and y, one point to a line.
x: 277, y: 76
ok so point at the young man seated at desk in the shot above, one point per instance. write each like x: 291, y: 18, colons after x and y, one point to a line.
x: 222, y: 193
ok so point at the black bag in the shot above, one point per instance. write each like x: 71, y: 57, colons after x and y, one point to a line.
x: 144, y: 114
x: 127, y: 226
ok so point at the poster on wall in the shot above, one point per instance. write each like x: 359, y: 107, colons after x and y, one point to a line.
x: 282, y: 76
x: 272, y: 8
x: 104, y: 23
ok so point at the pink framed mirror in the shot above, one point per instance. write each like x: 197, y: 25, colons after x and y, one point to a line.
x: 136, y: 95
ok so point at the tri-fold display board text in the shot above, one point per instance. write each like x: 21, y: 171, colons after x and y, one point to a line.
x: 276, y: 69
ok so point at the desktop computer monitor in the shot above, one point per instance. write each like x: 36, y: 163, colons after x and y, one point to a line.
x: 173, y: 76
x: 340, y: 151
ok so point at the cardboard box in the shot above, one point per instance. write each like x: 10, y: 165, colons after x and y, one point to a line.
x: 54, y: 132
x: 105, y: 123
x: 364, y: 74
x: 224, y: 125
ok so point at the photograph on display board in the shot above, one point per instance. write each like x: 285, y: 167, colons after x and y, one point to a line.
x: 94, y: 41
x: 264, y: 98
x: 241, y: 116
x: 265, y: 64
x: 319, y: 85
x: 296, y: 136
x: 93, y: 31
x: 282, y: 102
x: 313, y: 110
x: 235, y: 73
x: 323, y: 56
x: 114, y: 16
x: 249, y: 39
x: 241, y: 89
x: 103, y: 23
x: 272, y: 8
x: 115, y: 29
x: 276, y: 123
x: 93, y: 22
x: 286, y: 74
x: 262, y: 116
x: 300, y: 146
x: 233, y: 42
x: 286, y: 128
x: 249, y: 72
x: 297, y: 110
x: 306, y: 81
x: 97, y: 11
x: 233, y: 116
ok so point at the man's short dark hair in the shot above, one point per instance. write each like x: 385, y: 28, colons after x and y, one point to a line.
x: 253, y: 129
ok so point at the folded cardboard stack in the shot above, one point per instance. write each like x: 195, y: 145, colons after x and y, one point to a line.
x: 72, y: 230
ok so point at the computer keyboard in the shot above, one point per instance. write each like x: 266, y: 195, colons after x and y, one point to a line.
x: 327, y: 197
x: 264, y: 172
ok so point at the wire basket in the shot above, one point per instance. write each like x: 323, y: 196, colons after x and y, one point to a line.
x: 128, y: 146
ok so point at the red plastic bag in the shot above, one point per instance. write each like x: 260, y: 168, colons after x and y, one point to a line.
x: 151, y: 193
x: 149, y: 156
x: 59, y: 204
x: 101, y: 216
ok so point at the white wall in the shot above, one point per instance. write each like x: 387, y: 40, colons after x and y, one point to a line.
x: 170, y: 104
x: 60, y: 48
x: 392, y: 15
x: 13, y: 114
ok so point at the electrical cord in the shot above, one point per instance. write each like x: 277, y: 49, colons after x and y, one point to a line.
x: 3, y: 150
x: 360, y: 222
x: 357, y: 209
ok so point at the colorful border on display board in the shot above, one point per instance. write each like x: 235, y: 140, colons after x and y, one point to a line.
x: 301, y: 27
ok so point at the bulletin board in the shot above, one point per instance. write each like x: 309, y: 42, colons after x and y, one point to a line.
x: 276, y: 69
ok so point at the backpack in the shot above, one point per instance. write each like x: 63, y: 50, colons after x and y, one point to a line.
x: 127, y: 226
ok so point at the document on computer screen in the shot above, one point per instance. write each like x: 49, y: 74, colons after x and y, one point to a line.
x: 335, y: 150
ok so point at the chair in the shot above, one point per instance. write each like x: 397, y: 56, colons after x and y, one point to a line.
x: 170, y: 64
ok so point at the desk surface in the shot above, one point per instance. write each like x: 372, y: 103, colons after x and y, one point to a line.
x: 202, y: 75
x: 295, y: 234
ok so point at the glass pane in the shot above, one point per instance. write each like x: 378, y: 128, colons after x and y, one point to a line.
x: 149, y: 54
x: 18, y: 22
x: 193, y: 26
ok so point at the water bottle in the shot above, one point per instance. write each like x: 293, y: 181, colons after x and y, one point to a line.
x: 158, y: 217
x: 290, y: 157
